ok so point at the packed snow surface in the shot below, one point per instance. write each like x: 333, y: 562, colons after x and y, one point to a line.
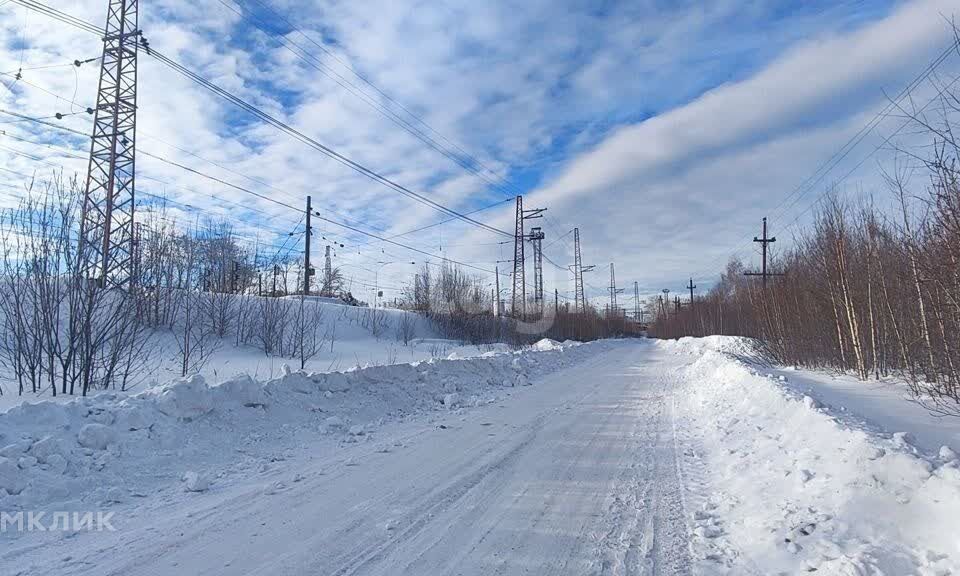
x: 621, y: 457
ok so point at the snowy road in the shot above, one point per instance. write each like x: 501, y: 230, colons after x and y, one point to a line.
x: 637, y: 458
x: 575, y: 475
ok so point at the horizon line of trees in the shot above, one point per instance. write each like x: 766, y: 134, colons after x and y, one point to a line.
x: 463, y: 306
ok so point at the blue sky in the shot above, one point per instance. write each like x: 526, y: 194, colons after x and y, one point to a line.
x: 663, y: 130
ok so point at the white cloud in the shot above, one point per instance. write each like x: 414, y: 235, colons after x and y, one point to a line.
x: 659, y: 196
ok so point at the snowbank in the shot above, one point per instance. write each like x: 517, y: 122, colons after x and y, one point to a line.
x: 793, y: 488
x: 109, y: 447
x: 547, y: 344
x: 885, y: 406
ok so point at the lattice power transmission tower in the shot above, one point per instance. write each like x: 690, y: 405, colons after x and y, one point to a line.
x: 518, y: 296
x: 577, y: 275
x: 519, y: 302
x: 613, y: 292
x: 536, y: 239
x: 106, y: 226
x: 579, y: 300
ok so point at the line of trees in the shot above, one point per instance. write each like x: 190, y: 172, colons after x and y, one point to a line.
x: 868, y: 291
x: 463, y: 306
x: 64, y: 333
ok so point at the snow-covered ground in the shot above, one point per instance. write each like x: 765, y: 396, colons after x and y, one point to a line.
x: 795, y: 486
x: 348, y: 342
x: 621, y: 457
x: 884, y: 407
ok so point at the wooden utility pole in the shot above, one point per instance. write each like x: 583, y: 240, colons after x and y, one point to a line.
x: 496, y: 301
x: 307, y: 270
x: 691, y: 287
x: 763, y: 241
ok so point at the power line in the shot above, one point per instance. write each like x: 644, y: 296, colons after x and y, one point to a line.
x: 291, y: 207
x: 457, y: 155
x: 185, y: 151
x: 90, y: 110
x: 66, y: 152
x: 824, y: 168
x: 356, y: 166
x: 269, y: 119
x: 389, y: 241
x: 59, y: 15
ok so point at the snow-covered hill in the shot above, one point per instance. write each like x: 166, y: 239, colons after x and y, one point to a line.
x: 349, y: 340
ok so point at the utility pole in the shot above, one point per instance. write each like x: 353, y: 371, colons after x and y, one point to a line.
x: 496, y: 300
x: 613, y: 291
x: 556, y: 301
x: 307, y: 269
x: 519, y: 304
x: 107, y: 215
x: 764, y: 241
x: 536, y: 238
x: 636, y: 301
x: 691, y: 287
x: 676, y: 305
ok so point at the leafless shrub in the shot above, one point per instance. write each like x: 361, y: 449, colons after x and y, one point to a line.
x: 307, y: 337
x: 196, y: 339
x: 271, y: 319
x: 62, y: 330
x: 405, y: 328
x: 392, y: 354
